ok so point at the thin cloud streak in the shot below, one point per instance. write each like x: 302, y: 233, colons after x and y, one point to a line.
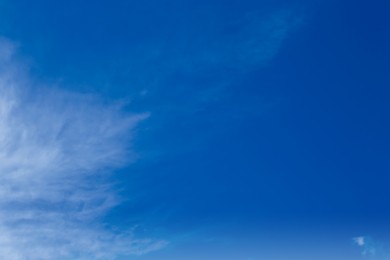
x: 56, y: 148
x: 252, y: 41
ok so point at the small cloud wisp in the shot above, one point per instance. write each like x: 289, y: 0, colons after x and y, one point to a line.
x: 371, y: 249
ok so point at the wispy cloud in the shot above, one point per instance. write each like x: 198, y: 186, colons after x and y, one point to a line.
x: 56, y: 148
x: 371, y: 249
x: 241, y: 44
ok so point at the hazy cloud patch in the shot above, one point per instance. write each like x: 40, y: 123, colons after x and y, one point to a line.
x: 371, y: 249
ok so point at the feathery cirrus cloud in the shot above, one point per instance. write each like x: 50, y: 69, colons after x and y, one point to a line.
x: 55, y: 149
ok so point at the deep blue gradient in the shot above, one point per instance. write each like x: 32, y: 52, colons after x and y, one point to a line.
x: 268, y: 118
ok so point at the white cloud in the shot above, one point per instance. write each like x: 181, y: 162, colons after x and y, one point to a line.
x: 360, y: 241
x: 370, y: 248
x: 55, y: 149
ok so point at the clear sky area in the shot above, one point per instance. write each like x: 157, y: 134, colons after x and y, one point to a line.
x: 194, y: 129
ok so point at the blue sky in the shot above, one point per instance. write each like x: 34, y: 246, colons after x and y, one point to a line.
x: 166, y: 129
